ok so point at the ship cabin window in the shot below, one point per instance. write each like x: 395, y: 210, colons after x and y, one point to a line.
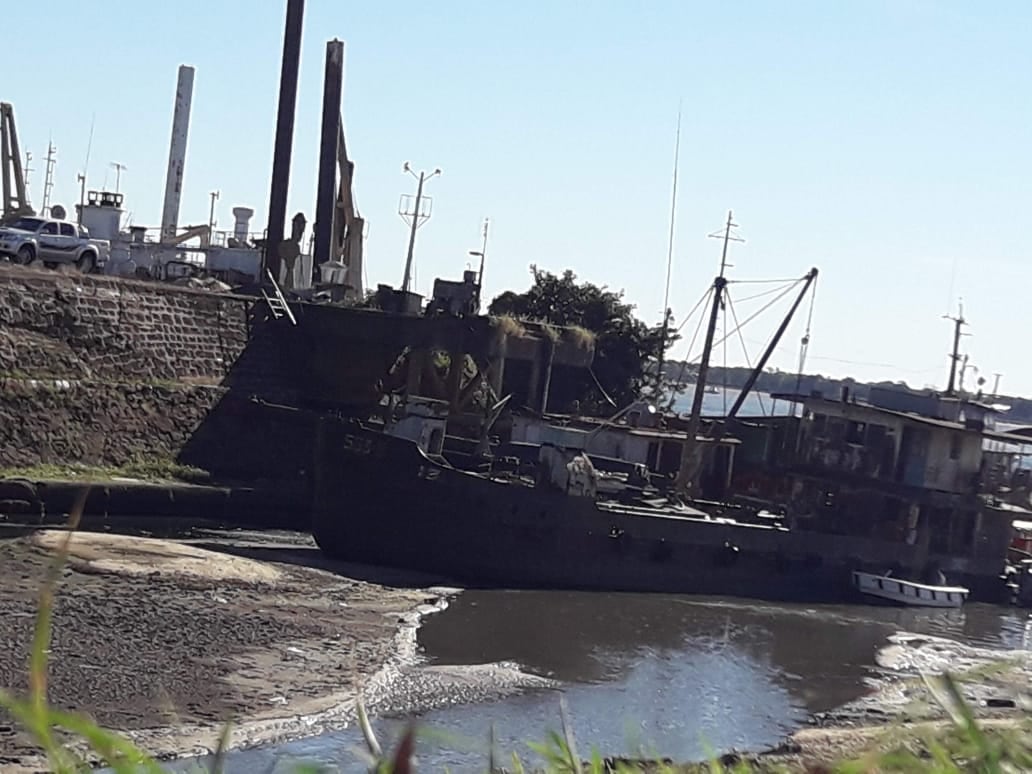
x: 955, y: 444
x: 855, y: 432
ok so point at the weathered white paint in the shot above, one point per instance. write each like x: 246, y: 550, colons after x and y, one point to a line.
x: 177, y: 153
x: 242, y: 224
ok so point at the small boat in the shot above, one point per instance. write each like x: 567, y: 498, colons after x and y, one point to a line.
x: 907, y: 592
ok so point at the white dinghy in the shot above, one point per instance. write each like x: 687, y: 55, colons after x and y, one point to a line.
x: 906, y: 592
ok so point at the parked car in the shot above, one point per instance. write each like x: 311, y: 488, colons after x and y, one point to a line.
x: 53, y: 242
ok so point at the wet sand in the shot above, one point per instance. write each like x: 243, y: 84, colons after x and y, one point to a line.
x: 166, y: 642
x: 908, y: 705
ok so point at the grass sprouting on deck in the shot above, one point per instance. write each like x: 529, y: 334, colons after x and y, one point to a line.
x: 961, y: 745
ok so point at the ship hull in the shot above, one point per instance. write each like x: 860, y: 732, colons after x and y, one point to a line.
x: 379, y: 500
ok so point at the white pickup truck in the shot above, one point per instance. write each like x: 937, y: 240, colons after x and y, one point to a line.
x: 53, y: 242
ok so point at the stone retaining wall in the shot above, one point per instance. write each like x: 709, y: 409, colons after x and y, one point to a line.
x: 106, y: 372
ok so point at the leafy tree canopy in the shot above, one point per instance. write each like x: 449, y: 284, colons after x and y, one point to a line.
x: 623, y: 347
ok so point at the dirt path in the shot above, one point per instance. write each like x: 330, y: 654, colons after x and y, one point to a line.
x: 167, y: 641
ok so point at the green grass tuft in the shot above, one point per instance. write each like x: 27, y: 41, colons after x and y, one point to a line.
x: 145, y: 469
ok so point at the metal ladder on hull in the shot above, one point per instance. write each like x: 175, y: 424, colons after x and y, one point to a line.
x: 277, y: 303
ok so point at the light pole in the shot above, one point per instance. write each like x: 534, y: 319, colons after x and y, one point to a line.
x: 415, y: 218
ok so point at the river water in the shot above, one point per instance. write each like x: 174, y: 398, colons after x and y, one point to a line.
x: 677, y: 675
x: 719, y: 403
x: 680, y: 676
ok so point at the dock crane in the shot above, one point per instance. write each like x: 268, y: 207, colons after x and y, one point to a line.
x: 15, y: 198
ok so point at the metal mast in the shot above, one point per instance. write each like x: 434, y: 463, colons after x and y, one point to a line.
x: 416, y: 217
x: 958, y: 323
x: 691, y: 453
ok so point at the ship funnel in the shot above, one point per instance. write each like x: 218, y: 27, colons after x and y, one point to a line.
x: 177, y: 153
x: 242, y: 227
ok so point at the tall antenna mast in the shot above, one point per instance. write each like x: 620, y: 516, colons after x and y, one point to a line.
x: 48, y: 180
x: 28, y: 169
x: 670, y: 258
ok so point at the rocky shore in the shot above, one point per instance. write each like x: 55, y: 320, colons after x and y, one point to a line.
x: 167, y: 641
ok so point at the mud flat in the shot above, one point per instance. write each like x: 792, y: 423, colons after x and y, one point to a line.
x: 166, y: 642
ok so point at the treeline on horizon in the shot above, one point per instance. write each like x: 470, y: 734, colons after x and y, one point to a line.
x: 777, y: 381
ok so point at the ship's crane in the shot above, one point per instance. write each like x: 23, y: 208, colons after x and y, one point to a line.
x: 15, y: 197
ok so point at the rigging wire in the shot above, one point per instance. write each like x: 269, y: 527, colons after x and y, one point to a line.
x: 691, y: 346
x: 770, y: 292
x: 785, y: 288
x: 723, y: 392
x: 759, y: 311
x: 748, y: 320
x: 761, y: 282
x: 748, y: 360
x: 695, y: 308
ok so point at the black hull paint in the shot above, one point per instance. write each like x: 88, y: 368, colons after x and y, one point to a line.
x: 380, y: 500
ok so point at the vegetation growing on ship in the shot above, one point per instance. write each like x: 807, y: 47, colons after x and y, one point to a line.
x: 624, y: 345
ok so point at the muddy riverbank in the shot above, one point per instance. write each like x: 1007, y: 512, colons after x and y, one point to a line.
x: 166, y: 641
x: 909, y: 705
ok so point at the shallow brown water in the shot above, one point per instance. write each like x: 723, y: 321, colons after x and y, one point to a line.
x: 682, y: 676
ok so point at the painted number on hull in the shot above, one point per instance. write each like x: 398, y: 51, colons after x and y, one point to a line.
x: 357, y: 445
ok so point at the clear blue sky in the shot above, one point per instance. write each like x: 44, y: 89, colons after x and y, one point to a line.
x: 885, y: 141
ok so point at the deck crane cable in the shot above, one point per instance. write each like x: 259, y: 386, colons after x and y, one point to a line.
x: 691, y: 346
x: 753, y: 316
x: 691, y: 360
x: 770, y: 292
x: 804, y: 345
x: 761, y: 282
x: 741, y: 338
